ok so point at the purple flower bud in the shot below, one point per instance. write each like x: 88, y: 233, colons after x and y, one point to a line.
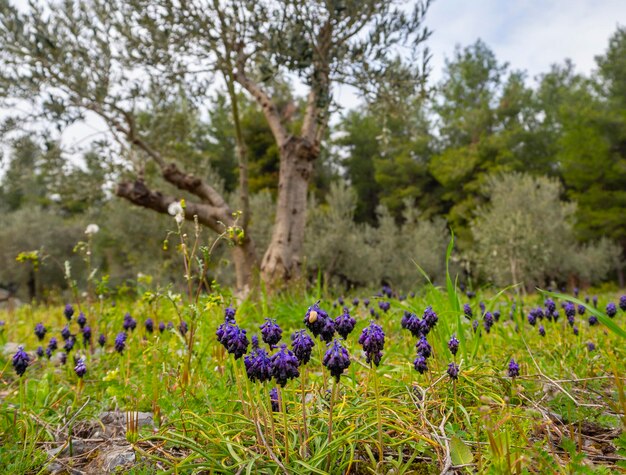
x: 581, y: 309
x: 315, y: 319
x: 20, y: 361
x: 40, y: 352
x: 571, y: 320
x: 542, y: 330
x: 475, y: 325
x: 423, y: 347
x: 48, y: 352
x: 102, y: 339
x: 65, y: 333
x: 80, y: 369
x: 274, y: 400
x: 590, y: 346
x: 328, y: 330
x: 488, y: 321
x: 576, y: 292
x: 595, y: 301
x: 482, y: 307
x: 229, y: 314
x: 53, y: 344
x: 40, y: 331
x: 366, y: 302
x: 86, y: 335
x: 387, y: 291
x: 513, y: 369
x: 373, y: 341
x: 336, y: 359
x: 81, y: 320
x: 183, y: 328
x: 271, y: 332
x: 129, y: 322
x: 149, y: 324
x: 411, y: 322
x: 237, y: 342
x: 344, y: 323
x: 161, y: 327
x: 384, y: 305
x: 593, y: 320
x: 68, y: 312
x: 120, y: 342
x: 420, y: 364
x: 340, y: 301
x: 470, y: 294
x: 496, y: 315
x: 550, y: 305
x: 575, y: 330
x: 430, y: 317
x: 69, y: 344
x: 170, y: 325
x: 254, y: 341
x: 258, y: 365
x: 467, y: 310
x: 355, y: 302
x: 611, y: 309
x: 302, y: 345
x: 586, y: 298
x: 284, y: 366
x: 63, y: 358
x: 622, y: 303
x: 453, y: 345
x: 453, y: 370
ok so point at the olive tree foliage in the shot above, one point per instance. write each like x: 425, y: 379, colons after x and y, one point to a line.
x: 112, y: 58
x: 357, y: 254
x: 525, y: 235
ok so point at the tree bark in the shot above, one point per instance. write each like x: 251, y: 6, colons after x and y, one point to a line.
x: 282, y: 260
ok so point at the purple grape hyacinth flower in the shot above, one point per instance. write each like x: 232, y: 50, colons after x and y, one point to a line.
x: 384, y: 305
x: 575, y: 330
x: 430, y: 317
x: 229, y: 314
x: 366, y: 302
x: 183, y: 328
x: 542, y: 330
x: 40, y: 331
x: 161, y: 327
x: 611, y: 309
x: 40, y: 352
x: 593, y: 320
x: 344, y: 323
x: 284, y: 366
x: 411, y: 322
x: 48, y: 353
x: 69, y: 344
x: 271, y: 332
x: 550, y: 305
x: 68, y: 312
x: 373, y: 341
x: 467, y: 311
x: 591, y: 346
x: 453, y: 345
x: 53, y: 344
x: 336, y: 359
x: 513, y: 369
x: 102, y: 339
x: 258, y: 365
x: 423, y: 347
x: 355, y: 302
x: 475, y: 325
x: 149, y: 324
x: 581, y: 309
x: 236, y: 342
x: 622, y: 303
x: 81, y: 320
x: 20, y: 361
x: 315, y: 319
x: 328, y: 330
x: 80, y: 369
x: 302, y: 345
x: 120, y: 342
x: 63, y: 358
x: 274, y: 400
x: 453, y: 370
x: 129, y: 322
x: 576, y: 291
x: 86, y: 335
x: 420, y: 364
x: 481, y: 304
x: 595, y: 301
x: 65, y: 333
x: 488, y: 321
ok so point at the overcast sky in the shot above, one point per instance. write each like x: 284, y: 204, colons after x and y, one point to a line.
x: 529, y: 34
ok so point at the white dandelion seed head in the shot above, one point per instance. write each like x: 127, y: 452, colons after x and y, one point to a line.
x: 175, y: 208
x: 92, y: 229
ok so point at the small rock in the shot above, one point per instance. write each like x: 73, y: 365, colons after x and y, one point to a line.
x: 117, y: 457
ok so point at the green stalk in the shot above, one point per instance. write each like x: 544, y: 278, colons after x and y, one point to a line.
x: 283, y: 406
x: 378, y: 414
x: 304, y: 427
x: 330, y: 419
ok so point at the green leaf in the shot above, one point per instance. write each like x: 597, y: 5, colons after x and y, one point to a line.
x: 459, y: 452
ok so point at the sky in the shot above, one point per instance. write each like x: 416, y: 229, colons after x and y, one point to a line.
x: 530, y: 35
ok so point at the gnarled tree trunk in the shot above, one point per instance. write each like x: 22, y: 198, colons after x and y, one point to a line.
x: 282, y: 260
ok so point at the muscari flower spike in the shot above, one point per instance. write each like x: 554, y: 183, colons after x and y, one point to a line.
x: 336, y: 359
x: 258, y: 365
x: 550, y: 305
x: 344, y: 323
x: 384, y: 305
x: 68, y: 312
x: 63, y: 358
x: 373, y: 341
x: 411, y: 322
x: 593, y: 320
x: 420, y: 364
x: 274, y: 400
x: 40, y: 331
x: 453, y: 345
x: 120, y: 342
x: 328, y: 330
x: 475, y: 325
x: 302, y: 345
x: 488, y: 321
x: 81, y: 320
x: 611, y: 309
x: 161, y: 327
x: 430, y: 317
x: 467, y: 311
x: 237, y: 342
x: 129, y: 322
x: 591, y: 346
x: 595, y: 301
x: 423, y: 347
x: 315, y: 319
x: 575, y: 330
x: 453, y: 370
x: 355, y: 301
x: 340, y: 301
x: 48, y: 353
x: 102, y: 339
x: 581, y: 309
x: 481, y: 304
x: 149, y: 324
x: 40, y: 352
x: 284, y: 366
x: 229, y: 314
x: 366, y: 302
x: 53, y: 344
x: 69, y: 344
x: 576, y: 291
x: 542, y: 330
x: 86, y: 335
x: 513, y: 369
x: 20, y: 361
x: 271, y: 332
x: 496, y: 315
x: 622, y: 303
x: 80, y: 369
x: 183, y: 328
x: 65, y: 333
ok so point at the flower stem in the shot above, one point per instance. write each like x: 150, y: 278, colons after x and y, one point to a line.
x: 330, y: 419
x: 304, y: 428
x: 283, y: 406
x: 378, y: 414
